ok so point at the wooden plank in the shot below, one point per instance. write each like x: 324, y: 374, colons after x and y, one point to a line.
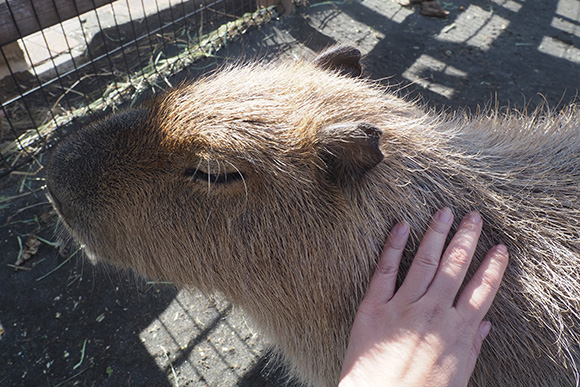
x: 19, y: 18
x: 16, y: 62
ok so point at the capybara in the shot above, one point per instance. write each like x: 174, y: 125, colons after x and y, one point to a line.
x: 276, y: 185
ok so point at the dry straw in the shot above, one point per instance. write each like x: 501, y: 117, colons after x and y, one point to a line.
x: 155, y: 75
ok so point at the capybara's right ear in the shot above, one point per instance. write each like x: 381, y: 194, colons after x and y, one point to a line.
x: 349, y: 150
x: 344, y: 59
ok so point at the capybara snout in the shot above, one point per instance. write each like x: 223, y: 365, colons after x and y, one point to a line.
x: 276, y: 184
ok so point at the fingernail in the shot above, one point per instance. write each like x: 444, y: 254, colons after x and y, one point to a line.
x: 501, y: 252
x: 502, y: 249
x: 444, y: 215
x: 401, y: 228
x: 474, y: 217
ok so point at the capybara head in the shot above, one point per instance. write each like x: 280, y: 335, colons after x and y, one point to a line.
x: 276, y: 184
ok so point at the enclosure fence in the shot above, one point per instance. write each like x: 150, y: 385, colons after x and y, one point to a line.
x: 63, y: 61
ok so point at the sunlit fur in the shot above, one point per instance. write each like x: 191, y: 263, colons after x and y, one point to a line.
x: 295, y: 245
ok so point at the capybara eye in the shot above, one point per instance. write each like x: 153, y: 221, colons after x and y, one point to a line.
x: 275, y: 185
x: 196, y: 174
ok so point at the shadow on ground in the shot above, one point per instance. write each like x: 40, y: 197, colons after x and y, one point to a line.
x: 69, y: 323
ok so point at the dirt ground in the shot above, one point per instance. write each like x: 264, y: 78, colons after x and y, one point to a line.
x: 65, y: 322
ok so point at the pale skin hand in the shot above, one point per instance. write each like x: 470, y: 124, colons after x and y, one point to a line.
x: 418, y: 336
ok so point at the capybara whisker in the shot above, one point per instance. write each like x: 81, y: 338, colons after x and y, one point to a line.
x: 276, y: 185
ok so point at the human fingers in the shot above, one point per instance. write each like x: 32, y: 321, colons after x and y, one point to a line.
x: 384, y: 279
x: 456, y: 258
x: 426, y: 260
x: 475, y: 300
x: 482, y: 331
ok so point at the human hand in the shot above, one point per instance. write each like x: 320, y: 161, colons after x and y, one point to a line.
x: 418, y: 336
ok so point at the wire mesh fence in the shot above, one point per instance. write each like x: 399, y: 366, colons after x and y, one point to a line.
x: 63, y: 61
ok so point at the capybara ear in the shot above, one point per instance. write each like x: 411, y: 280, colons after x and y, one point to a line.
x: 344, y: 59
x: 349, y: 150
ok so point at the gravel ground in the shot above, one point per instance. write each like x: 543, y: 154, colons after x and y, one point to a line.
x: 65, y: 322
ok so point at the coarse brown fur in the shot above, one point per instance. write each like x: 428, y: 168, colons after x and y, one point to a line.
x: 276, y: 185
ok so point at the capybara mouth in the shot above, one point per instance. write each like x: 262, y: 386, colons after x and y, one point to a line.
x: 54, y: 200
x: 275, y: 185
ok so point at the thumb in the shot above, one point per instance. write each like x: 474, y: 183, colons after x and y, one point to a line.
x: 482, y: 331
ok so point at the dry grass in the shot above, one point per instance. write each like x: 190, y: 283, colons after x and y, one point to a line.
x: 126, y: 87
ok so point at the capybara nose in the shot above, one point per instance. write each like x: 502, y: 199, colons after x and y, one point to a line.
x: 78, y: 164
x: 71, y: 171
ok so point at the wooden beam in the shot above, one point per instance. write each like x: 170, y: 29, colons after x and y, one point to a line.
x: 19, y: 18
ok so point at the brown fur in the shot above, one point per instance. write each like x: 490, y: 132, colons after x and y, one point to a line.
x: 294, y: 235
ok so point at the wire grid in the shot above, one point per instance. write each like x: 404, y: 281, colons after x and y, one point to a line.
x: 136, y: 47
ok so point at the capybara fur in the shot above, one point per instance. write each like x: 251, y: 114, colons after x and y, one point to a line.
x: 276, y: 185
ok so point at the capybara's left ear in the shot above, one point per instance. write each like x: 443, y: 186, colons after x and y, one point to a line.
x: 349, y: 150
x: 344, y: 59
